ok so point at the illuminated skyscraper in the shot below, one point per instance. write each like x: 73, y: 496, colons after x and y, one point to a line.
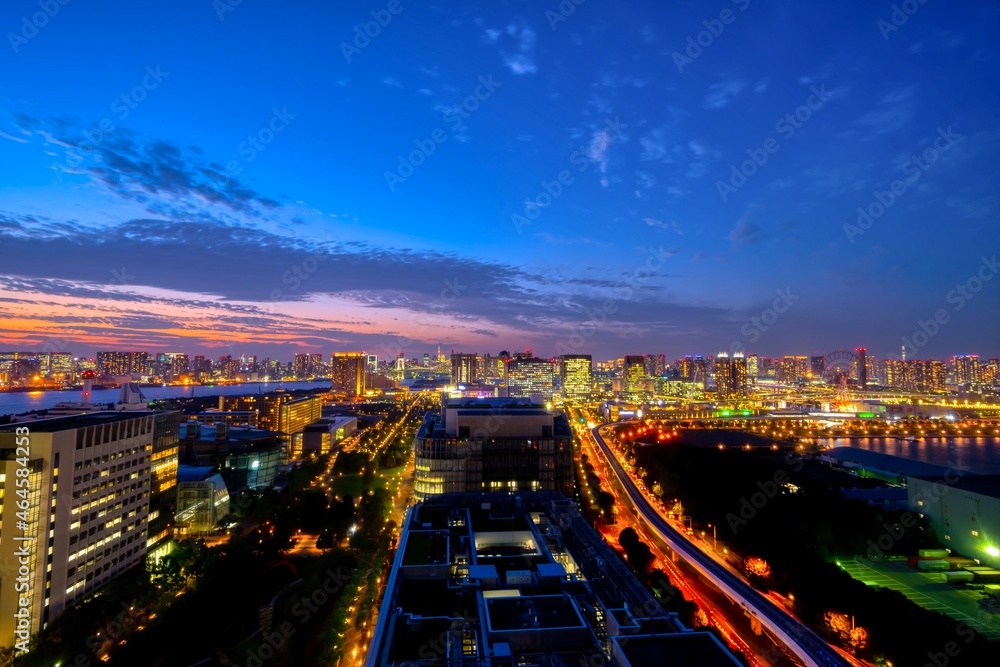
x: 862, y: 367
x: 301, y: 365
x: 723, y: 375
x: 464, y: 369
x: 577, y: 375
x: 634, y: 378
x: 528, y: 377
x: 966, y: 369
x: 740, y: 372
x: 347, y: 370
x: 316, y: 365
x: 121, y: 363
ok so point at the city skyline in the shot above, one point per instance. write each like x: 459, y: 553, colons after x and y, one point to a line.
x: 431, y: 354
x: 636, y: 183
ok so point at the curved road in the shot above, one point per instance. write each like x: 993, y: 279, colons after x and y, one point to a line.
x: 802, y: 641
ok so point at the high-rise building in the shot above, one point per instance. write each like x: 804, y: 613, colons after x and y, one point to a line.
x: 966, y: 369
x: 316, y: 365
x: 347, y: 370
x: 301, y: 365
x: 634, y: 378
x: 198, y: 368
x: 723, y: 375
x: 991, y: 371
x: 496, y: 444
x: 179, y: 365
x: 163, y: 481
x: 753, y: 366
x: 61, y: 365
x: 372, y: 363
x: 464, y: 369
x: 793, y: 368
x: 121, y: 363
x: 862, y: 367
x: 937, y: 376
x: 88, y: 492
x: 817, y: 366
x: 741, y: 386
x: 576, y: 376
x: 529, y: 377
x: 656, y: 365
x: 287, y: 414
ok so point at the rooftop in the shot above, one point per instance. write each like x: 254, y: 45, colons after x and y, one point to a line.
x: 57, y: 424
x: 675, y: 650
x: 984, y: 485
x: 505, y: 579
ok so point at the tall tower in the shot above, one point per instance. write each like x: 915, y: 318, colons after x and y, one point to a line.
x: 862, y: 367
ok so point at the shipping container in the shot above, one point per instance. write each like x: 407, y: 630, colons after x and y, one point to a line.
x: 934, y: 565
x: 933, y: 553
x: 958, y: 577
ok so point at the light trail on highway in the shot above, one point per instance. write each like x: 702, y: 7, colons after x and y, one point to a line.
x: 802, y: 641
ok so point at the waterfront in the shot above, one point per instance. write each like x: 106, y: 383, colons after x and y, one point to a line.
x: 20, y: 402
x: 978, y: 455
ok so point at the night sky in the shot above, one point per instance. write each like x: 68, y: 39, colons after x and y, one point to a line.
x: 266, y: 178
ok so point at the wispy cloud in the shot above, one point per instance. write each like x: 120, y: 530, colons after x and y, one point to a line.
x: 721, y: 94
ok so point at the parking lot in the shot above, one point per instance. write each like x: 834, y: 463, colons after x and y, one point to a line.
x: 928, y: 590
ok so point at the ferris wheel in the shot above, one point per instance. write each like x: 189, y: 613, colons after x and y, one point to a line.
x: 839, y: 365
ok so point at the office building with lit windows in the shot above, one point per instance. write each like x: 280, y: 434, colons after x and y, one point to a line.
x: 576, y: 374
x: 723, y: 375
x: 530, y: 377
x: 285, y: 413
x: 302, y: 365
x: 114, y: 364
x: 634, y: 379
x: 494, y: 444
x: 465, y: 369
x: 163, y: 482
x: 89, y: 492
x: 502, y: 580
x: 966, y: 369
x: 347, y: 373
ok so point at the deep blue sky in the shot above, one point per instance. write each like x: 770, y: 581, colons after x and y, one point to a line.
x: 129, y: 244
